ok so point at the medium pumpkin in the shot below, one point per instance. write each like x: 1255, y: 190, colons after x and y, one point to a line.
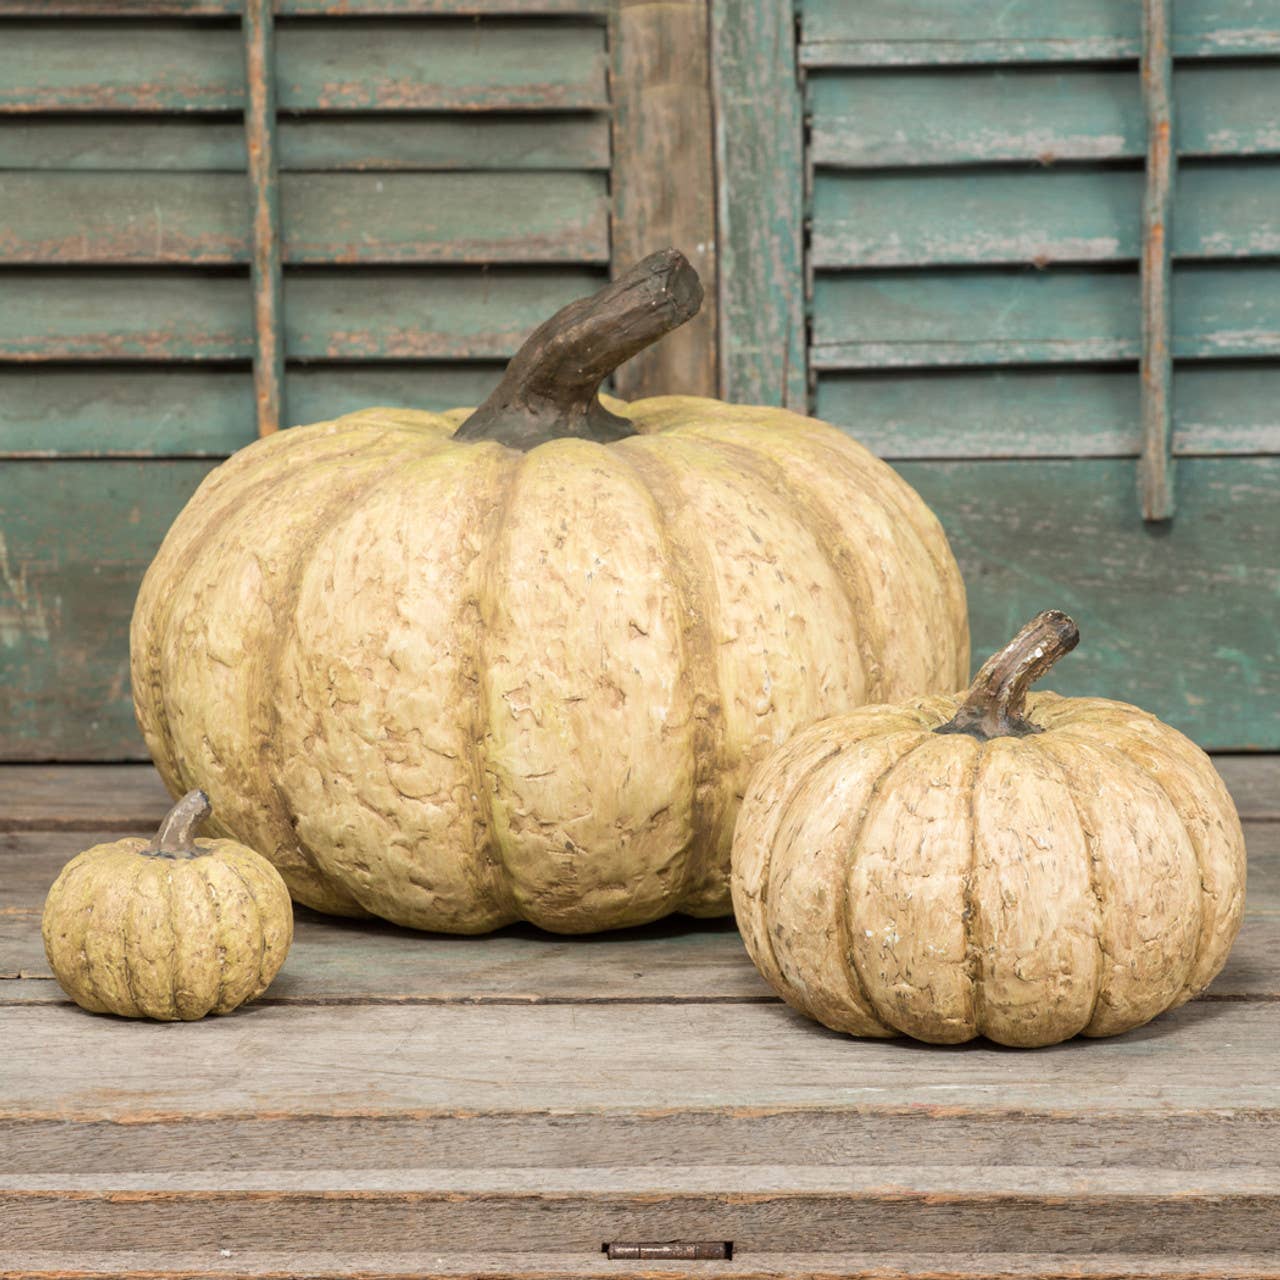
x: 1024, y: 868
x: 171, y: 928
x: 455, y: 670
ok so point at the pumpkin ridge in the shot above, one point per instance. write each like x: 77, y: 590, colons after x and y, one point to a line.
x: 1121, y: 764
x: 1121, y: 758
x: 265, y: 675
x: 259, y: 931
x: 655, y: 475
x: 762, y: 896
x: 73, y: 943
x: 808, y: 442
x: 843, y: 923
x: 219, y: 946
x: 972, y: 954
x: 1045, y: 750
x: 812, y: 514
x: 126, y: 888
x: 487, y: 558
x: 237, y: 490
x: 170, y: 905
x: 492, y: 557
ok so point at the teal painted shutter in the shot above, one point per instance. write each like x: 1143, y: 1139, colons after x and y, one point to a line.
x: 976, y: 185
x: 444, y: 186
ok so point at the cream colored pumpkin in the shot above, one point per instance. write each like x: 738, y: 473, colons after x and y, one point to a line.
x: 171, y: 928
x: 455, y: 682
x: 975, y: 865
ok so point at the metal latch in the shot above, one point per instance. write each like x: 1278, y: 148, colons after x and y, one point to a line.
x: 674, y: 1250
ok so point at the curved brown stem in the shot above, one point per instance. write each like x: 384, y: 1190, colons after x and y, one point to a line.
x: 177, y: 834
x: 551, y: 387
x: 996, y: 704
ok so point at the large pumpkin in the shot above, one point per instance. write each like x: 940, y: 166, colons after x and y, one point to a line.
x: 1026, y: 868
x: 461, y: 669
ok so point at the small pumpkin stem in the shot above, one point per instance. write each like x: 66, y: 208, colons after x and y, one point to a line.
x: 178, y: 830
x: 551, y: 387
x: 996, y: 703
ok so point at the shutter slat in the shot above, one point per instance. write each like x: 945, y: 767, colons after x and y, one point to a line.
x: 1050, y: 413
x: 910, y: 118
x: 364, y: 65
x: 324, y: 143
x: 335, y: 315
x: 202, y: 412
x: 869, y: 320
x: 1040, y: 216
x: 889, y: 32
x: 341, y: 218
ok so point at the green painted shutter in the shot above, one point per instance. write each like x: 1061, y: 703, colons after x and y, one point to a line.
x: 975, y: 178
x: 443, y: 187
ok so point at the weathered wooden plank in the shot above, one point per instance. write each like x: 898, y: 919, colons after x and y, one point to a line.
x: 204, y: 218
x: 677, y: 961
x: 389, y: 1060
x: 560, y: 141
x: 1221, y: 408
x: 202, y: 412
x: 1254, y: 783
x: 100, y: 797
x: 377, y: 65
x: 1178, y: 621
x: 870, y: 319
x: 883, y: 32
x: 759, y: 175
x: 918, y: 117
x: 258, y: 28
x: 75, y: 538
x: 1039, y: 216
x: 329, y: 315
x: 571, y: 1221
x: 1159, y: 237
x: 662, y: 125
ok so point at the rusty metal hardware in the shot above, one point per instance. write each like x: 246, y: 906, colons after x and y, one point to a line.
x: 673, y: 1250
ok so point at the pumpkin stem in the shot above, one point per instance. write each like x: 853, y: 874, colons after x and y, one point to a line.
x: 996, y: 704
x: 551, y: 387
x: 178, y: 830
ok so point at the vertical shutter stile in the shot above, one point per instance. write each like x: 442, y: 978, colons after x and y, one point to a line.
x: 264, y: 183
x: 1156, y: 467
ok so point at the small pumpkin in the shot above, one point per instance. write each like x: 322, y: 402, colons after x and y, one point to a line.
x: 1027, y: 868
x: 171, y: 928
x: 461, y: 669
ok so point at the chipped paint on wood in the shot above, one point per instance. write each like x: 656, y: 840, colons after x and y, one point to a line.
x: 916, y: 117
x: 1011, y: 316
x: 928, y: 32
x: 759, y: 174
x: 258, y: 30
x: 172, y: 315
x: 394, y: 65
x: 559, y: 141
x: 1156, y: 466
x: 1219, y: 408
x: 662, y: 181
x: 1037, y: 216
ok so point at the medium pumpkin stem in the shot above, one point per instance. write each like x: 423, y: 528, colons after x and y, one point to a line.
x: 996, y: 704
x: 551, y: 387
x: 178, y: 830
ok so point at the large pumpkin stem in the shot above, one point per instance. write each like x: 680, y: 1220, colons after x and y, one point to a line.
x: 996, y: 705
x: 551, y: 387
x: 177, y: 834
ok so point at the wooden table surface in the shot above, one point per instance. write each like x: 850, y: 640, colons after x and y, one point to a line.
x: 412, y: 1105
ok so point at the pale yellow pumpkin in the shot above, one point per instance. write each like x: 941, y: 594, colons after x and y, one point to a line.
x: 457, y: 677
x: 172, y: 928
x: 1024, y: 868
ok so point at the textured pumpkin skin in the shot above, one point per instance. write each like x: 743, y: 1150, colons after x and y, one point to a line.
x: 148, y: 936
x: 888, y: 879
x: 455, y: 685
